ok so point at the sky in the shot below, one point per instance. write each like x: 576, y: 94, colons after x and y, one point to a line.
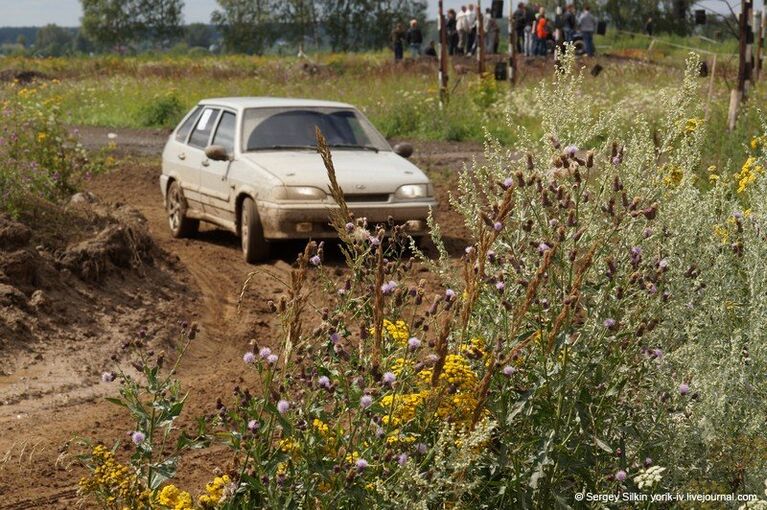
x: 19, y: 13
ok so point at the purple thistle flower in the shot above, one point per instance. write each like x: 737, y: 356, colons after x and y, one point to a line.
x: 265, y: 352
x: 335, y: 337
x: 620, y: 475
x: 616, y: 161
x: 137, y: 437
x: 543, y: 247
x: 500, y: 286
x: 366, y: 401
x: 324, y: 381
x: 508, y: 182
x: 656, y: 353
x: 421, y: 448
x: 663, y: 264
x: 374, y: 241
x: 389, y: 378
x: 648, y: 462
x: 361, y: 464
x: 253, y: 425
x: 449, y: 294
x: 283, y: 406
x: 316, y: 260
x: 402, y: 459
x: 571, y: 150
x: 508, y: 370
x: 491, y: 256
x: 388, y: 287
x: 413, y: 343
x: 684, y: 389
x: 271, y: 359
x: 380, y: 432
x: 647, y: 232
x: 636, y: 251
x: 248, y: 358
x: 108, y: 377
x: 609, y: 323
x: 350, y: 227
x: 497, y: 226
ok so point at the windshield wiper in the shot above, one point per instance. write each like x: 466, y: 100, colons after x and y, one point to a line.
x: 353, y: 146
x: 283, y: 148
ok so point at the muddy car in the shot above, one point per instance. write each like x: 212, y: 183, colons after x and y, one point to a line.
x: 250, y: 165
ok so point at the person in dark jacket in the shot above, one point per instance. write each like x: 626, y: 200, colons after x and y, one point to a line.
x: 569, y: 23
x: 451, y: 29
x: 414, y: 39
x: 520, y: 19
x: 398, y: 41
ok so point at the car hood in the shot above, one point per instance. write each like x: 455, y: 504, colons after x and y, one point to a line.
x: 356, y: 171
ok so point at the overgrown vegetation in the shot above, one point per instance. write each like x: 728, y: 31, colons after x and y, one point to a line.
x: 602, y: 332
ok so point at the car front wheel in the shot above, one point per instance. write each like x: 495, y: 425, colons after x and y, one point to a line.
x: 176, y: 206
x: 254, y: 247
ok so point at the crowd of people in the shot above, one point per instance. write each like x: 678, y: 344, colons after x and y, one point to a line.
x: 536, y: 32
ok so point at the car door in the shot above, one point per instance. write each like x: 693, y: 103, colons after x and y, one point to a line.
x: 175, y: 161
x: 214, y: 186
x: 194, y: 153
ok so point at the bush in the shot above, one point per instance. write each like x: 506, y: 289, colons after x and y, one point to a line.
x: 602, y: 332
x: 163, y: 111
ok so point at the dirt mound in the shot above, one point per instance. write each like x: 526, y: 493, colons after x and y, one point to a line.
x: 72, y: 294
x: 23, y: 77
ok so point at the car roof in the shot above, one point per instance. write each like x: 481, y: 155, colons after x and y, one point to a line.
x: 240, y: 103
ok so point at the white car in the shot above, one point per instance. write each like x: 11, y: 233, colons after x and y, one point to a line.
x: 250, y: 165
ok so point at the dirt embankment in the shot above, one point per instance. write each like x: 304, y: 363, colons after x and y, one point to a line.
x: 79, y: 286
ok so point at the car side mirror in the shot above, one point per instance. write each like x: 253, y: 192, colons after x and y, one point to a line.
x: 403, y: 149
x: 217, y: 153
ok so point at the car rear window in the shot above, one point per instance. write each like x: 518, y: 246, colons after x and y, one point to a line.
x: 183, y: 131
x: 203, y: 128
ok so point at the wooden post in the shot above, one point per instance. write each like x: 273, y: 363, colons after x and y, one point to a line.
x: 513, y: 41
x: 749, y: 47
x: 738, y: 94
x: 443, y: 77
x: 762, y: 35
x: 480, y: 40
x: 711, y: 80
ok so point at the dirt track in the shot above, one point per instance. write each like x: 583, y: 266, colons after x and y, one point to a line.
x: 212, y: 266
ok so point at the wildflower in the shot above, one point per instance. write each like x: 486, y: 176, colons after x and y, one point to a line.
x: 388, y: 287
x: 249, y: 358
x: 335, y: 337
x: 366, y: 401
x: 283, y: 406
x: 508, y: 182
x: 253, y: 425
x: 469, y: 250
x: 413, y: 343
x: 315, y: 261
x: 491, y: 256
x: 663, y: 264
x: 350, y: 227
x: 324, y: 381
x: 265, y: 352
x: 449, y: 295
x: 361, y: 464
x: 389, y: 378
x: 497, y: 226
x: 402, y: 459
x: 649, y: 477
x: 647, y: 462
x: 374, y: 241
x: 137, y: 437
x: 172, y: 497
x: 543, y: 247
x: 647, y: 232
x: 684, y: 389
x: 112, y: 136
x: 108, y: 377
x: 616, y: 161
x: 620, y: 475
x: 271, y: 359
x: 508, y: 370
x: 500, y: 286
x: 571, y: 150
x: 609, y: 323
x: 421, y: 448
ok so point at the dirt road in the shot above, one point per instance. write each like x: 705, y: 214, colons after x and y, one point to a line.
x: 33, y: 471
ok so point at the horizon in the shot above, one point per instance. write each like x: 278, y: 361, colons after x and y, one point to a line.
x: 67, y: 13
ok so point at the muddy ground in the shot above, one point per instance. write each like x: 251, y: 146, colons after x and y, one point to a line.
x: 50, y: 387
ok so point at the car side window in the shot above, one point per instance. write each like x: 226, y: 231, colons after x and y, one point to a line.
x: 183, y: 131
x: 225, y: 132
x: 203, y: 128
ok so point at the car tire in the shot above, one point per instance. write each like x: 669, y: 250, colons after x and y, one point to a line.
x: 176, y: 207
x: 255, y: 248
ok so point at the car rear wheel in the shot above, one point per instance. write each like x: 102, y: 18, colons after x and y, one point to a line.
x: 254, y: 247
x: 176, y: 206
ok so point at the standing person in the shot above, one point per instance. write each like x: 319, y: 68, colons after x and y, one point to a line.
x: 492, y: 33
x: 587, y: 24
x: 472, y: 35
x: 569, y: 23
x: 541, y: 33
x: 519, y: 18
x: 398, y: 41
x: 529, y: 33
x: 648, y: 27
x: 414, y: 39
x: 559, y: 26
x: 462, y: 22
x: 451, y: 31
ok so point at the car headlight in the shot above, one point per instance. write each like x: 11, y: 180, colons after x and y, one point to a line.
x: 298, y: 193
x: 414, y: 191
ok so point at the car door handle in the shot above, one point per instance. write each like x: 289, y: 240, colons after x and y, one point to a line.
x: 205, y: 162
x: 181, y: 155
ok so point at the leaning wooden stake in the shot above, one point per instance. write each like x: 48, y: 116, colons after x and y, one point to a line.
x: 738, y: 94
x: 480, y: 40
x: 711, y: 80
x: 443, y: 77
x: 513, y: 42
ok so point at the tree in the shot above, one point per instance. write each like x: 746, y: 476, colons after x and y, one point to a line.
x: 160, y: 20
x: 246, y: 25
x: 110, y: 23
x: 53, y: 41
x: 198, y: 35
x: 299, y: 17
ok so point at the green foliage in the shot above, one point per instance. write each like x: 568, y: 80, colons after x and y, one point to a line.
x: 54, y: 41
x: 112, y: 23
x: 245, y: 25
x: 163, y: 111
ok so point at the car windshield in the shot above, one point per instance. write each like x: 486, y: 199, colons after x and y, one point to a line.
x: 293, y: 128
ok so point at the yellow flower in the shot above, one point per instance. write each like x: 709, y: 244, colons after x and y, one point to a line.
x: 748, y: 173
x: 692, y: 125
x: 321, y: 427
x: 722, y: 233
x: 42, y: 136
x: 174, y: 498
x: 673, y: 176
x: 395, y: 331
x: 214, y: 492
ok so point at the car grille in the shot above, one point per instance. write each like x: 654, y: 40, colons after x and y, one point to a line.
x: 367, y: 197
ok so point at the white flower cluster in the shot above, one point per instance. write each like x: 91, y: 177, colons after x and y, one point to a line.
x: 649, y: 477
x: 758, y: 504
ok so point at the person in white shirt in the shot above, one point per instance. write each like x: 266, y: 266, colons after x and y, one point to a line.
x: 463, y: 26
x: 472, y: 36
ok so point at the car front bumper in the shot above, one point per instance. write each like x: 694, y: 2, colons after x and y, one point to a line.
x: 306, y: 220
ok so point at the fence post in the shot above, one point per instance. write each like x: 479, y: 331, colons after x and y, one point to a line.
x: 711, y: 79
x: 738, y: 94
x: 443, y: 77
x: 480, y: 40
x: 513, y: 41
